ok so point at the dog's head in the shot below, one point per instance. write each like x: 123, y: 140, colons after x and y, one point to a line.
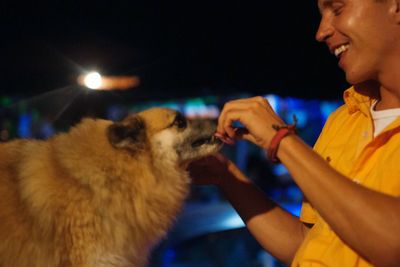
x: 166, y: 133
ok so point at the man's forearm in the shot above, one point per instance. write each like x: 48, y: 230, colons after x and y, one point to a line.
x: 279, y: 232
x: 366, y: 220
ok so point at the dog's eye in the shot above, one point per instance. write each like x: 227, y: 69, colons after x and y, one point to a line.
x: 180, y: 121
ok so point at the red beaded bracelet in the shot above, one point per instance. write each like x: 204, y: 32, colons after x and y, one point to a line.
x: 281, y: 132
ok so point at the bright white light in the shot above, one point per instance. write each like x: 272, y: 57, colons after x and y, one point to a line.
x: 93, y: 80
x: 233, y: 222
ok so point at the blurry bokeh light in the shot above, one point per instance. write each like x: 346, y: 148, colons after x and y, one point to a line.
x: 95, y: 81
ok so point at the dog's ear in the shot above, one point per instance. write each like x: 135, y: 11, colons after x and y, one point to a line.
x: 127, y: 134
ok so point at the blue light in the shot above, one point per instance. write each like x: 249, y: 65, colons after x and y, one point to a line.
x: 280, y: 170
x: 168, y: 257
x: 24, y: 125
x: 327, y: 108
x: 233, y: 222
x: 273, y: 101
x: 294, y: 209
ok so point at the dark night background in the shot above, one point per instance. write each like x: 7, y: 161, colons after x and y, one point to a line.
x: 178, y: 48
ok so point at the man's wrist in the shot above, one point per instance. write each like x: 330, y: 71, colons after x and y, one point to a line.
x: 282, y: 131
x: 232, y: 176
x: 286, y: 146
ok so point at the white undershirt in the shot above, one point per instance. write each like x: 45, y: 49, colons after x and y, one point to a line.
x: 383, y: 118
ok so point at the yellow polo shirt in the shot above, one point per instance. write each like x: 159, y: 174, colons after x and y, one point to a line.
x: 347, y: 143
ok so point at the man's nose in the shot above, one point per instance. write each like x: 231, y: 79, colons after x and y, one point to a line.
x: 325, y: 29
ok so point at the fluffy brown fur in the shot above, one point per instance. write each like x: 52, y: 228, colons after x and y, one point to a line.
x: 102, y: 194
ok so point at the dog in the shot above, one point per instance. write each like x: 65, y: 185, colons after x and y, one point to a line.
x: 103, y: 194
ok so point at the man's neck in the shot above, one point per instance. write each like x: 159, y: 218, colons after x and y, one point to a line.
x: 388, y: 99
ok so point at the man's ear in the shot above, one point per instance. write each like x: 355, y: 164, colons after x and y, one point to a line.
x: 128, y: 135
x: 394, y: 10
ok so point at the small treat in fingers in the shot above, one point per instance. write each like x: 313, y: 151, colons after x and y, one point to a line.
x: 225, y: 138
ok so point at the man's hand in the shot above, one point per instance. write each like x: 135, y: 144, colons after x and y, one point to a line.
x: 212, y: 170
x: 255, y: 114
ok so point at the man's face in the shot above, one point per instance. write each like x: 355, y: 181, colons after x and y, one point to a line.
x: 360, y: 34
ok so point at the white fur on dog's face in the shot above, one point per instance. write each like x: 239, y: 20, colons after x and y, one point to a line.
x: 168, y: 134
x: 195, y: 141
x: 162, y: 144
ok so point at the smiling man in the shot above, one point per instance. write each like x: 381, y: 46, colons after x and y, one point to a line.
x: 351, y: 179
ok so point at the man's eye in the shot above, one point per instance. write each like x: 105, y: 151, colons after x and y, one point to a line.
x: 180, y: 122
x: 337, y: 8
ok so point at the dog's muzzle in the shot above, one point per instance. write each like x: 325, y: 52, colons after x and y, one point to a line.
x: 209, y: 140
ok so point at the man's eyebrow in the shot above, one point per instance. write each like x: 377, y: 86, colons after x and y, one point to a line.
x: 324, y: 3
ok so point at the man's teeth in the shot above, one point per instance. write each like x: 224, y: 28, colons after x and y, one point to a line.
x: 341, y: 49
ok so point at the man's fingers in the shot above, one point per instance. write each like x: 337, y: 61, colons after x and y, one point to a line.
x: 241, y: 131
x: 228, y: 118
x: 227, y: 110
x: 255, y: 103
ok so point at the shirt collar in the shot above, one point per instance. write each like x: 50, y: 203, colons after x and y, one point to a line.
x: 357, y: 102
